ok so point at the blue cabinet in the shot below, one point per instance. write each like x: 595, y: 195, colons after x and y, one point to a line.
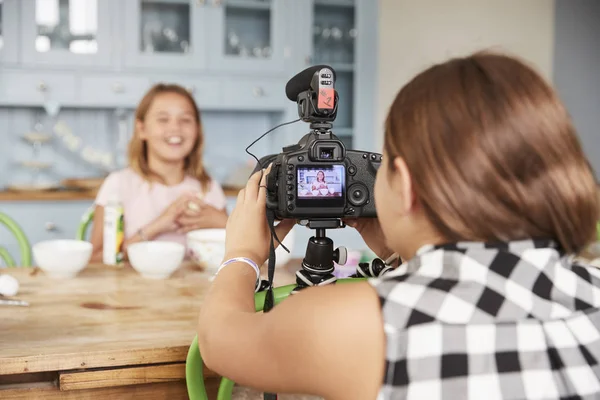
x: 235, y: 54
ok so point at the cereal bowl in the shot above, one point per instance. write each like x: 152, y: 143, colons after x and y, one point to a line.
x: 62, y: 258
x: 156, y: 259
x: 207, y: 247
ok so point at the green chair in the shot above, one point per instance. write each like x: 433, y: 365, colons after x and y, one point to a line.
x: 86, y: 220
x: 24, y: 246
x: 194, y: 366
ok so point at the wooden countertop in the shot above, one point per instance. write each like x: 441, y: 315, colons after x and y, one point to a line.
x: 106, y: 328
x: 69, y: 195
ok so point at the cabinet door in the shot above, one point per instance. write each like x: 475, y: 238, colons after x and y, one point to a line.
x: 66, y: 32
x: 9, y: 35
x: 249, y: 35
x: 166, y: 34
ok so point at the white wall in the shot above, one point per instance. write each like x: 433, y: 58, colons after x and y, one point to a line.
x: 413, y: 34
x: 576, y: 73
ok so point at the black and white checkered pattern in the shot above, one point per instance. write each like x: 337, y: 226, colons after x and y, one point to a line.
x: 514, y: 320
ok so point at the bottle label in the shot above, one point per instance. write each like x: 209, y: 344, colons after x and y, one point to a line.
x: 113, y: 235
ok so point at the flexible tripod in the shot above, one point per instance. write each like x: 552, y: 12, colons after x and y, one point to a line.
x: 317, y: 265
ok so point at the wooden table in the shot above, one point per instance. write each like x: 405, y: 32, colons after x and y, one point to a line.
x: 108, y: 333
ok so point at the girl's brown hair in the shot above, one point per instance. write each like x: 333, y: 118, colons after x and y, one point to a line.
x: 493, y: 154
x: 138, y: 151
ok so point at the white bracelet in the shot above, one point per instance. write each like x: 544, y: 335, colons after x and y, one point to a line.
x: 241, y: 259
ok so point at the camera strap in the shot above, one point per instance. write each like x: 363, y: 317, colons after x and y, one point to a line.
x: 269, y: 297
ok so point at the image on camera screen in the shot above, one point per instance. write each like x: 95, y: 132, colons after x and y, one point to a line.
x: 321, y: 182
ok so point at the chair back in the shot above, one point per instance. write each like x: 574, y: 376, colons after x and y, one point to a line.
x: 84, y: 223
x: 24, y: 246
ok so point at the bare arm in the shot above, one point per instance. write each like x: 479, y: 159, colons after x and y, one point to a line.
x: 325, y: 341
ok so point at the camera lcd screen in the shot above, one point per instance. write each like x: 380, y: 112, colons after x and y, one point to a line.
x: 324, y: 185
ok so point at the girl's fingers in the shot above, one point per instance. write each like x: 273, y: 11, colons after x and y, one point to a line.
x: 252, y: 186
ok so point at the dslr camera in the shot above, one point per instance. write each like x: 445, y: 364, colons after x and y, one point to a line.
x: 318, y: 178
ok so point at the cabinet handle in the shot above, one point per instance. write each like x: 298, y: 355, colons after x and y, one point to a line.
x: 258, y: 92
x: 42, y: 86
x: 50, y: 226
x: 118, y: 87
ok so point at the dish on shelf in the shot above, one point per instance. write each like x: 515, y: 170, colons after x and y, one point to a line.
x: 40, y: 187
x: 37, y: 137
x: 35, y: 164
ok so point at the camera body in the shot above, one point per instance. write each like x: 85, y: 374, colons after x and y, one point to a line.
x: 318, y: 178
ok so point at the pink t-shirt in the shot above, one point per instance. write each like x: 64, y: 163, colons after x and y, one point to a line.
x: 143, y: 203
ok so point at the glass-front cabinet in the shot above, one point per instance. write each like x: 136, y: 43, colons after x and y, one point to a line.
x: 334, y: 34
x: 166, y: 34
x: 66, y: 32
x: 249, y: 35
x: 8, y: 31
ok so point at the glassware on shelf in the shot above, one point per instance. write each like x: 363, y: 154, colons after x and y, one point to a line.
x: 66, y: 25
x: 248, y: 29
x: 165, y: 27
x: 36, y: 139
x: 334, y: 34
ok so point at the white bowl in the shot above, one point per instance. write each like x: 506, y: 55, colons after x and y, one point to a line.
x: 323, y: 192
x: 315, y: 192
x: 331, y: 190
x: 63, y: 258
x: 156, y: 259
x: 207, y: 247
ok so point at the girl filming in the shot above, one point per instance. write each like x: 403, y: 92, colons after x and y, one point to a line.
x: 486, y: 193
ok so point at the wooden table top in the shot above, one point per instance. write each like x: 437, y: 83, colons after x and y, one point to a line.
x: 105, y: 317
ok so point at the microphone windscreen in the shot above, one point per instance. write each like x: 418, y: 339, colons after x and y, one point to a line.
x: 301, y: 81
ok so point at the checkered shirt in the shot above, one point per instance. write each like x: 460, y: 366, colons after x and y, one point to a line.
x: 516, y: 320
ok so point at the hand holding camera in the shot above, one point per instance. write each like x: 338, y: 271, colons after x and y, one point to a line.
x: 248, y: 233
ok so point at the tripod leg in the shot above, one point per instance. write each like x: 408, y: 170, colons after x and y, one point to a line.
x: 305, y: 279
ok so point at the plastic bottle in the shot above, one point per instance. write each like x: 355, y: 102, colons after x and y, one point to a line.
x: 113, y: 232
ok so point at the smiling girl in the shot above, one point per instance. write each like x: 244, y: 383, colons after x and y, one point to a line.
x: 165, y: 191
